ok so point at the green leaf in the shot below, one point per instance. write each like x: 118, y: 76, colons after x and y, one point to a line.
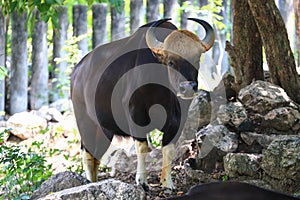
x: 50, y: 2
x: 13, y: 6
x: 37, y: 2
x: 59, y: 2
x: 44, y: 7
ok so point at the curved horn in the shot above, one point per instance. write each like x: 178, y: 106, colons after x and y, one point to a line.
x: 209, y: 38
x: 152, y: 42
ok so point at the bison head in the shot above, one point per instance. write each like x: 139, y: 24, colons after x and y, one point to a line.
x: 180, y: 52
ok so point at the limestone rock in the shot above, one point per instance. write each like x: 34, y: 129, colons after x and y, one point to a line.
x: 62, y: 105
x: 26, y: 124
x: 233, y: 114
x: 262, y: 97
x: 214, y: 142
x: 198, y: 116
x: 123, y: 161
x: 109, y: 189
x: 242, y: 164
x: 282, y: 159
x: 216, y: 136
x: 50, y: 114
x: 58, y: 182
x: 251, y: 137
x: 284, y: 120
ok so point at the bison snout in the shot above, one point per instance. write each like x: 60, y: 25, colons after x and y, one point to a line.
x: 188, y: 89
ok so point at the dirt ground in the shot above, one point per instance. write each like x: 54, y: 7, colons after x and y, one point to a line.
x: 155, y: 191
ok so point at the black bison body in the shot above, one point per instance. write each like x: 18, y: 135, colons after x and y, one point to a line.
x: 134, y: 85
x: 232, y: 191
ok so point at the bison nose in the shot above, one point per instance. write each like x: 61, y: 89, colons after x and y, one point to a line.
x: 188, y: 88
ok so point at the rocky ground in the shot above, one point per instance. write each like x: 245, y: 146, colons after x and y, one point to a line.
x: 181, y: 180
x: 255, y: 139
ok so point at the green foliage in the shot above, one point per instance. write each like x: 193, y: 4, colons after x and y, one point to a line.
x: 21, y: 172
x: 48, y: 8
x: 225, y: 177
x: 73, y: 55
x: 75, y: 164
x: 3, y: 72
x: 155, y: 138
x: 215, y: 7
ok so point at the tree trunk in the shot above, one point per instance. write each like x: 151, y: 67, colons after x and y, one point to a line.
x: 279, y: 55
x: 99, y: 24
x: 2, y: 63
x: 59, y: 68
x: 202, y: 3
x: 184, y: 23
x: 19, y: 66
x: 230, y: 21
x: 136, y: 14
x: 246, y: 55
x: 171, y: 10
x: 117, y: 23
x: 152, y: 10
x: 39, y: 80
x: 297, y: 16
x: 80, y: 26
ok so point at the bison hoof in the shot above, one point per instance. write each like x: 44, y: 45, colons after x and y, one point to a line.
x: 141, y: 179
x: 167, y: 183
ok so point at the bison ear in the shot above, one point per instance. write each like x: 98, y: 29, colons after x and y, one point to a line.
x: 153, y: 43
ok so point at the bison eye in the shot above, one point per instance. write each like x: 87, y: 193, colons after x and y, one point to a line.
x: 170, y: 64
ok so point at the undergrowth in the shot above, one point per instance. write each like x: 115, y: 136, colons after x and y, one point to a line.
x: 21, y: 170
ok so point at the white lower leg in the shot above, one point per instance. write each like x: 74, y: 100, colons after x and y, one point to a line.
x: 90, y: 166
x: 168, y: 152
x: 141, y: 149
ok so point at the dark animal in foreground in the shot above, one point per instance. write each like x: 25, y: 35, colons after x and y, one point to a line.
x: 135, y: 85
x: 232, y: 191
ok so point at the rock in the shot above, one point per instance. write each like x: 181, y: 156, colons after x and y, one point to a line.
x: 252, y: 142
x: 284, y: 120
x: 262, y: 97
x: 193, y: 174
x: 233, y: 114
x: 281, y: 162
x: 198, y: 116
x: 123, y: 161
x: 263, y: 140
x: 184, y: 150
x: 25, y: 125
x: 58, y: 182
x: 214, y: 142
x: 216, y: 136
x: 62, y: 105
x: 200, y: 109
x: 66, y: 125
x: 109, y: 189
x: 242, y: 164
x: 154, y: 160
x: 50, y: 114
x: 222, y: 94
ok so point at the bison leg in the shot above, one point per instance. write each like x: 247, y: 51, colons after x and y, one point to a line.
x: 90, y: 165
x: 141, y: 149
x: 168, y: 152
